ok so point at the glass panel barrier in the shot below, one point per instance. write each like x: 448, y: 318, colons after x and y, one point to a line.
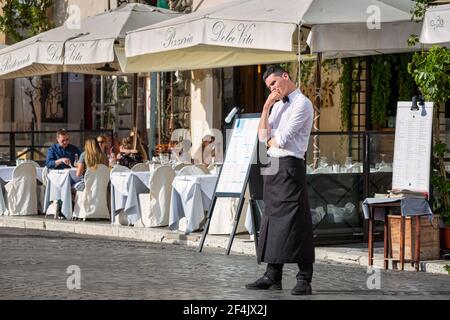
x: 34, y: 145
x: 335, y: 186
x: 381, y: 156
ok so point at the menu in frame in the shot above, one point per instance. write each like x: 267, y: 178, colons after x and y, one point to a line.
x: 239, y: 155
x: 412, y: 147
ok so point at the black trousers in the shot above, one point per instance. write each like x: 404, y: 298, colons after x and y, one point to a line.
x: 274, y: 271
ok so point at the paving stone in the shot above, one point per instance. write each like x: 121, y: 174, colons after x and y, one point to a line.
x: 34, y: 265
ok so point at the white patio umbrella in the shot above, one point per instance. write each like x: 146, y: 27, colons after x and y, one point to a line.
x: 436, y: 26
x: 347, y: 40
x: 266, y: 31
x: 80, y: 50
x: 258, y: 32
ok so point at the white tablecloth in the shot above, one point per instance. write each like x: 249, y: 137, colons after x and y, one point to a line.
x: 58, y: 187
x: 191, y: 197
x: 7, y: 171
x: 125, y: 189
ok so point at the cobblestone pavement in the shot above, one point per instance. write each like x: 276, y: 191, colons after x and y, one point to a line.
x: 34, y: 264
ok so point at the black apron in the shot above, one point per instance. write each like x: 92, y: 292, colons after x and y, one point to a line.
x: 286, y: 234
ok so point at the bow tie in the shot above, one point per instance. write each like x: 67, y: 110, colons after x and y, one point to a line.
x: 285, y: 99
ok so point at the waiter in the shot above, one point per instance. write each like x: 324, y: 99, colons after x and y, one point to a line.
x: 286, y: 234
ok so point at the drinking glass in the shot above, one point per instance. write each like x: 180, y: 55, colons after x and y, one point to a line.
x: 382, y: 163
x: 348, y: 163
x: 323, y: 162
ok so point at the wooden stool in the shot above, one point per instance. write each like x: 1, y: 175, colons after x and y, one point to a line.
x: 387, y: 246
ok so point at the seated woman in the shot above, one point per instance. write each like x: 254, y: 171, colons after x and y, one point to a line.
x: 114, y: 145
x: 130, y: 156
x: 102, y: 141
x: 91, y: 157
x: 180, y: 152
x: 205, y: 154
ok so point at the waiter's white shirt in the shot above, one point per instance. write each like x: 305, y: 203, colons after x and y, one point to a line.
x: 290, y: 125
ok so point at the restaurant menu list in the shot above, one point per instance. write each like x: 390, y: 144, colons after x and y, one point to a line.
x: 239, y: 155
x: 412, y: 148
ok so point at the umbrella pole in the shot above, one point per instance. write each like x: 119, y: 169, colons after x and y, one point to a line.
x: 135, y: 91
x: 102, y: 100
x: 317, y: 102
x: 299, y: 39
x: 158, y: 104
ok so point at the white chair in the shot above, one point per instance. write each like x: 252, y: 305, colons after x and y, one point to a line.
x: 180, y: 166
x: 140, y: 167
x: 92, y: 201
x: 21, y: 196
x: 204, y: 168
x: 40, y: 186
x: 155, y: 206
x: 190, y: 171
x: 153, y: 166
x: 32, y: 162
x: 120, y: 168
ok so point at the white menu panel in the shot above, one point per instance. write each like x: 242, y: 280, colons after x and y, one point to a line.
x: 412, y: 148
x: 239, y: 155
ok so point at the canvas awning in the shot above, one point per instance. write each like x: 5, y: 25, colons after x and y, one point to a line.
x: 246, y: 32
x: 338, y: 40
x: 79, y: 49
x: 436, y: 26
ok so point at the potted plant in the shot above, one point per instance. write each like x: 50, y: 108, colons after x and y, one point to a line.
x: 431, y: 71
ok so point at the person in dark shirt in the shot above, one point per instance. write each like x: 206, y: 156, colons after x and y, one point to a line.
x: 62, y: 155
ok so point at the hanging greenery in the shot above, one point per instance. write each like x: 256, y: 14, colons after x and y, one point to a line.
x: 346, y: 87
x: 406, y: 86
x: 329, y: 64
x: 306, y: 71
x: 381, y: 73
x: 22, y: 19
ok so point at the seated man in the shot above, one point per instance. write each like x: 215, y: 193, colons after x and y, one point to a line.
x: 62, y: 155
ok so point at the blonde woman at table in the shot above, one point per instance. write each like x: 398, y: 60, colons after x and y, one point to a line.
x: 91, y: 157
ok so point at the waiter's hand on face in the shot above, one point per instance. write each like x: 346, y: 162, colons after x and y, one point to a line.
x: 273, y: 97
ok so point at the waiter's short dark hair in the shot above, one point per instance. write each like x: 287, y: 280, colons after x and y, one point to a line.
x: 276, y: 70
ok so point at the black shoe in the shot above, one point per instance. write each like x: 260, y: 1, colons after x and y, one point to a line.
x: 61, y: 216
x: 264, y: 283
x: 302, y: 287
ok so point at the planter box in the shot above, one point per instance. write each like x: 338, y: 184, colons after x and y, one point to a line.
x: 429, y: 237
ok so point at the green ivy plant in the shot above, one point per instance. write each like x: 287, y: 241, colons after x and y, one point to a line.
x: 381, y: 74
x: 346, y: 85
x: 306, y: 71
x: 431, y: 71
x: 406, y: 86
x: 22, y: 19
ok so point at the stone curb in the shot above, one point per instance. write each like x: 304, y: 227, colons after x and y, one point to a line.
x: 163, y: 235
